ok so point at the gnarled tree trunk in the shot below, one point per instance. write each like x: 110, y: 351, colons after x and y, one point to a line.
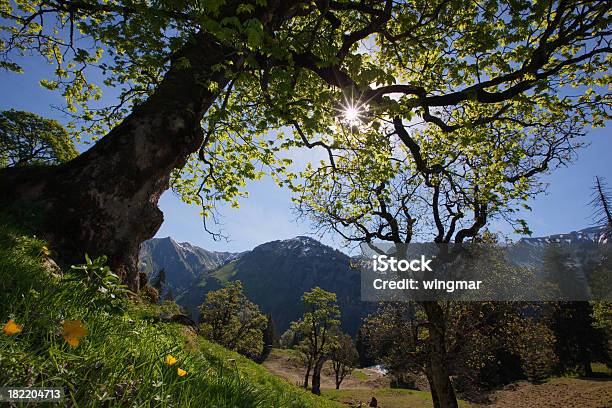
x: 432, y: 388
x: 104, y: 202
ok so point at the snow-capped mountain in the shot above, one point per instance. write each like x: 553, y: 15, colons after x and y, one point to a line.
x: 274, y: 275
x: 184, y: 264
x: 592, y: 234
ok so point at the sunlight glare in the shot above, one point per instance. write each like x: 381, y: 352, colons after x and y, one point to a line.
x: 351, y: 114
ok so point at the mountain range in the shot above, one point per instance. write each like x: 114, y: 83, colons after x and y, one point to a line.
x: 276, y: 274
x: 592, y: 234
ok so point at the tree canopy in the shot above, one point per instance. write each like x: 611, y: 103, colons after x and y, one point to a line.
x: 26, y: 139
x: 496, y: 81
x: 434, y: 116
x: 230, y: 319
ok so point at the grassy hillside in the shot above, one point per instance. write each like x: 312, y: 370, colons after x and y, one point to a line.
x: 109, y: 349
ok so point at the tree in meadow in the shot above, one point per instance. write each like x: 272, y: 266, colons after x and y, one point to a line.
x: 227, y: 317
x: 316, y: 327
x: 343, y: 356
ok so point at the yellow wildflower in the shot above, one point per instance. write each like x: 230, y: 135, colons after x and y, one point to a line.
x: 11, y: 328
x: 73, y: 331
x: 181, y: 372
x: 170, y: 360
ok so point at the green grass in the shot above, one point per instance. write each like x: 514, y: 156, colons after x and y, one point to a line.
x: 120, y: 361
x: 601, y: 369
x: 287, y: 353
x: 225, y: 273
x: 360, y: 375
x: 388, y: 398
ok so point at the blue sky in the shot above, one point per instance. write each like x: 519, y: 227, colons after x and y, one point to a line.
x: 267, y: 215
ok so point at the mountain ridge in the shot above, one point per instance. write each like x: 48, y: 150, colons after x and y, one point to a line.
x: 590, y: 234
x: 275, y: 274
x: 183, y: 262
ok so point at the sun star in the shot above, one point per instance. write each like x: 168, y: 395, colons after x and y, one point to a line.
x: 351, y: 114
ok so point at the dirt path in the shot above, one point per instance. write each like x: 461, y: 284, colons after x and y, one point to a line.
x: 556, y: 393
x: 364, y: 383
x: 286, y: 364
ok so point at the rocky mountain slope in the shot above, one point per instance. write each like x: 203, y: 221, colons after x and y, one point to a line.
x: 274, y: 275
x: 184, y: 264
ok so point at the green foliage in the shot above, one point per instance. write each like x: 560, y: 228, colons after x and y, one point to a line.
x: 448, y: 180
x: 599, y: 274
x: 26, y: 138
x: 321, y: 316
x: 99, y: 284
x: 535, y: 345
x: 489, y: 343
x: 602, y: 317
x: 120, y: 360
x: 227, y: 317
x: 287, y: 340
x: 392, y: 336
x: 316, y: 330
x: 319, y: 305
x: 491, y: 93
x: 269, y: 338
x: 344, y: 356
x: 579, y: 339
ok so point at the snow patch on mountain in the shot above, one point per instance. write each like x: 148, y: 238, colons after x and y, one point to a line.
x: 592, y: 234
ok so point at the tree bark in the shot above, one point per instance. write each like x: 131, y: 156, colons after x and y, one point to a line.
x: 307, y: 375
x: 316, y: 376
x: 104, y: 202
x: 432, y: 389
x: 586, y: 366
x: 338, y: 379
x: 438, y: 376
